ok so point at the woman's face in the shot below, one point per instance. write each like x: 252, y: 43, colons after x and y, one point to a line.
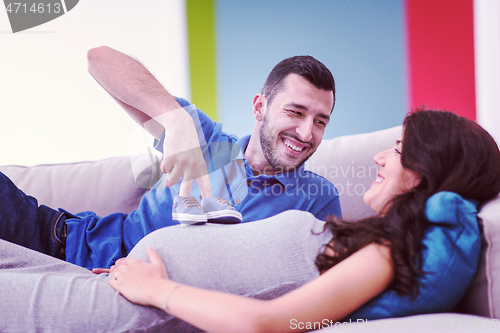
x: 392, y: 178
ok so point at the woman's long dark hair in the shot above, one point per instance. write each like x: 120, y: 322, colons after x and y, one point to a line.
x: 450, y: 153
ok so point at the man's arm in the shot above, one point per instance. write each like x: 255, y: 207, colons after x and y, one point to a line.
x: 153, y: 107
x: 132, y: 86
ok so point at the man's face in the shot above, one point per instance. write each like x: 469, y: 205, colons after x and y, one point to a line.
x: 293, y: 124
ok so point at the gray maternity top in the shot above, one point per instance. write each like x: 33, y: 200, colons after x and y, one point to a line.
x: 262, y: 259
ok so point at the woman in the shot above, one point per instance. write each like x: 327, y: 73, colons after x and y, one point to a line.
x: 271, y: 260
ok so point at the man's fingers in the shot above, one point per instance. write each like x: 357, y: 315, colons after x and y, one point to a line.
x: 167, y: 164
x: 187, y: 165
x: 173, y: 177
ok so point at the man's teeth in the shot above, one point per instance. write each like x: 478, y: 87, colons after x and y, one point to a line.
x: 289, y: 144
x: 379, y: 179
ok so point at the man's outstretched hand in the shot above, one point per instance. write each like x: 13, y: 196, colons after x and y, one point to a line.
x: 182, y: 155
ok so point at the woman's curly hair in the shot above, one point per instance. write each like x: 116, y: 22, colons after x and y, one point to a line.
x: 449, y: 153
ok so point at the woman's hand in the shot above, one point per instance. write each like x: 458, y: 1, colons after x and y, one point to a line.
x: 139, y: 281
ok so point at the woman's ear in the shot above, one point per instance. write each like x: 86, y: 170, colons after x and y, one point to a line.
x: 417, y: 181
x: 258, y: 107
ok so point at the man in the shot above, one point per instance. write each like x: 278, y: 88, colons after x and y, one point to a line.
x: 261, y: 175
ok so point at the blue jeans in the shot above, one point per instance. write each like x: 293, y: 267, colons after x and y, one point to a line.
x: 24, y: 222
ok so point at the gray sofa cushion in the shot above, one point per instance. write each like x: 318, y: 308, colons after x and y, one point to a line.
x: 105, y: 186
x: 490, y: 216
x: 483, y: 296
x: 117, y: 185
x: 347, y: 162
x: 438, y: 323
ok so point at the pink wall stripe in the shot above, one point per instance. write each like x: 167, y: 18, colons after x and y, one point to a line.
x: 440, y: 41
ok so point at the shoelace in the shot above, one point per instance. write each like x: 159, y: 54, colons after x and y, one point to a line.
x: 190, y: 202
x: 223, y: 202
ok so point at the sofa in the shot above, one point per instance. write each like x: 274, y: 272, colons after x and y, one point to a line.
x: 117, y: 184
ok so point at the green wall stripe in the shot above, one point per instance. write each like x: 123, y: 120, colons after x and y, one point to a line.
x: 202, y: 58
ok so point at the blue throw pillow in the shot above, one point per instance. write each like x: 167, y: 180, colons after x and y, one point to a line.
x: 451, y: 253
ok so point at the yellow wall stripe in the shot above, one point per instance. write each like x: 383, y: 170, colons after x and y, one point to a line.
x: 202, y: 54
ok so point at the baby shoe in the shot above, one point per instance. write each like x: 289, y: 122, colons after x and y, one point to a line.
x: 187, y: 211
x: 219, y: 210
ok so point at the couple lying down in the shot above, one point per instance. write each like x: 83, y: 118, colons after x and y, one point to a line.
x: 417, y: 255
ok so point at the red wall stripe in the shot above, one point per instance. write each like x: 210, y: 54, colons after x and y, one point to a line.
x: 440, y: 41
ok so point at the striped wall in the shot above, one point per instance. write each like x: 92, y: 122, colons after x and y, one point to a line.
x: 361, y: 41
x: 387, y: 57
x: 454, y: 57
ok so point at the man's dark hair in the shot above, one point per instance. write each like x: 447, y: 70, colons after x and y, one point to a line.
x: 306, y: 66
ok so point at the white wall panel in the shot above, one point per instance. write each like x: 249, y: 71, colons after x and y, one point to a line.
x: 51, y: 109
x: 487, y: 63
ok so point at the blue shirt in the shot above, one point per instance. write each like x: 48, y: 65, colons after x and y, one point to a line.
x: 95, y: 241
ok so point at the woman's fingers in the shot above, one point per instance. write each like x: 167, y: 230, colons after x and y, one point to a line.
x: 120, y: 261
x: 153, y: 256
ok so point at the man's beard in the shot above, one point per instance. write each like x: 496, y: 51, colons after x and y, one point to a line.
x: 269, y: 151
